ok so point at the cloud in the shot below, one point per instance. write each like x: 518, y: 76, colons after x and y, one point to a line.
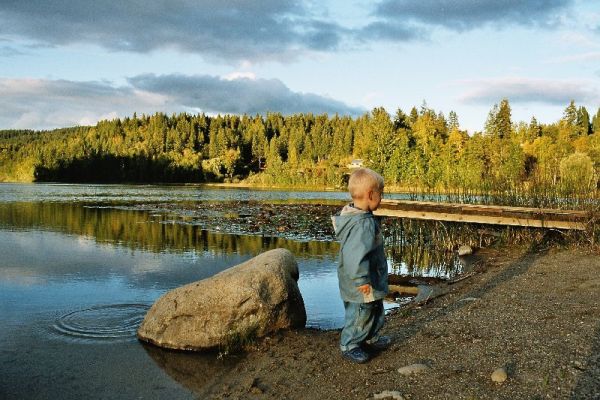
x: 42, y: 103
x: 8, y: 51
x: 255, y: 31
x: 46, y: 104
x: 523, y: 90
x: 390, y: 30
x: 583, y: 57
x: 238, y: 96
x: 463, y: 15
x: 232, y: 30
x: 579, y: 39
x: 239, y: 74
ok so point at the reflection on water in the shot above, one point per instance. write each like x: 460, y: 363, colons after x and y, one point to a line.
x: 96, y: 244
x: 76, y: 279
x: 418, y: 259
x: 142, y: 230
x: 150, y: 230
x: 196, y: 371
x: 75, y: 243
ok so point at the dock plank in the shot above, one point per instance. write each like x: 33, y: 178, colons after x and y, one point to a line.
x: 484, y: 214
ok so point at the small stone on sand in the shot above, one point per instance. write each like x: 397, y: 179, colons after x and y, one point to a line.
x: 499, y: 375
x: 413, y: 369
x: 389, y: 394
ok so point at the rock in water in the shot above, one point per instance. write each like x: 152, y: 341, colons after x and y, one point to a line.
x: 250, y: 300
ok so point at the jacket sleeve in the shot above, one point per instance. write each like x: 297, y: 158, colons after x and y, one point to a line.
x: 360, y: 242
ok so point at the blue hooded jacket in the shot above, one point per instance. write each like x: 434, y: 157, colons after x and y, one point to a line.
x: 362, y: 257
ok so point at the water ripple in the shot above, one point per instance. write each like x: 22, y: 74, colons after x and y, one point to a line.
x: 113, y: 322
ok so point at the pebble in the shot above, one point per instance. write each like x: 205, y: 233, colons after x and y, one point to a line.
x: 465, y: 250
x: 389, y: 394
x: 256, y: 390
x: 413, y: 369
x: 499, y: 375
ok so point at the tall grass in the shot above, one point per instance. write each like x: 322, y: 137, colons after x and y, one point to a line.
x: 423, y: 245
x: 444, y: 235
x: 537, y: 196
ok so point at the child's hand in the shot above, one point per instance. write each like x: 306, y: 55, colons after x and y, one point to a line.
x: 364, y: 289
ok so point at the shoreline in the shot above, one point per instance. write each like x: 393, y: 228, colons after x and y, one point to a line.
x: 533, y: 312
x: 237, y: 185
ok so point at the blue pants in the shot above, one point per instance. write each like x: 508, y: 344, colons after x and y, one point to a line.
x: 362, y: 323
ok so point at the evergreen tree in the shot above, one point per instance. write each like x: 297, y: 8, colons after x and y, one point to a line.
x: 534, y: 131
x: 453, y: 121
x: 213, y: 145
x: 401, y: 120
x: 381, y: 133
x: 498, y: 124
x: 596, y: 122
x: 414, y: 114
x: 258, y: 141
x: 583, y: 121
x: 490, y: 128
x: 503, y: 120
x: 570, y: 114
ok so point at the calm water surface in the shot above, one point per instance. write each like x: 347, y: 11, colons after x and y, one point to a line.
x: 135, y: 193
x: 77, y: 276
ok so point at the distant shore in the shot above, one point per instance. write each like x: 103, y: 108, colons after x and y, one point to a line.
x: 241, y: 185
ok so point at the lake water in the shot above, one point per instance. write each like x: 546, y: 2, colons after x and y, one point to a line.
x: 79, y: 268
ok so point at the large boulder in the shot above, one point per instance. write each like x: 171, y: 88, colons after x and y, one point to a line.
x: 231, y: 308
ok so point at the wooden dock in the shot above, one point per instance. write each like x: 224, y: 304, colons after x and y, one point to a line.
x: 483, y: 214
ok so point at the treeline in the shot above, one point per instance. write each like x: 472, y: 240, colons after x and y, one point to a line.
x: 420, y: 149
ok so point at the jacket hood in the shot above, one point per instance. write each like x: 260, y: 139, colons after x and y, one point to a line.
x: 348, y: 216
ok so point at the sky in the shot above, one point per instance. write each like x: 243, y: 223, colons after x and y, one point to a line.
x: 74, y: 62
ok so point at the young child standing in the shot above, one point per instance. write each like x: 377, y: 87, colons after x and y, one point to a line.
x: 362, y: 269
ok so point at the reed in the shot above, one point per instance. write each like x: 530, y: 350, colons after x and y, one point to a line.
x: 535, y: 194
x: 429, y: 248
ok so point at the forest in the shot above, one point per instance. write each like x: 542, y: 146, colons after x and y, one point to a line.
x: 419, y: 151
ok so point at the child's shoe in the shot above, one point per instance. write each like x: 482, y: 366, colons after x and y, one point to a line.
x: 382, y: 343
x: 356, y: 355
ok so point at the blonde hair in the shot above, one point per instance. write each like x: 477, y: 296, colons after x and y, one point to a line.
x: 362, y: 180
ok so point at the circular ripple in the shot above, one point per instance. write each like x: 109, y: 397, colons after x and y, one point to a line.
x: 108, y: 322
